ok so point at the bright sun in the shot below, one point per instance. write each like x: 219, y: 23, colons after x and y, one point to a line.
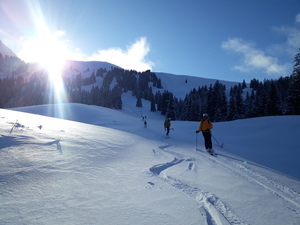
x: 51, y: 55
x: 47, y: 50
x: 50, y: 51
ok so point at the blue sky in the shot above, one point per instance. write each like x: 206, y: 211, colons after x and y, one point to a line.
x: 222, y: 39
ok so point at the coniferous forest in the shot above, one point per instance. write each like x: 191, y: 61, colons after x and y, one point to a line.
x: 29, y: 84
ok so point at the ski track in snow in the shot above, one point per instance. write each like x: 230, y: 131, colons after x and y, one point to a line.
x: 279, y: 190
x: 212, y: 208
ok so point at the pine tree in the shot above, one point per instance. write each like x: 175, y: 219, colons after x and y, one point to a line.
x: 236, y: 104
x: 250, y: 106
x: 293, y: 98
x: 159, y: 84
x: 231, y: 113
x: 139, y: 102
x: 152, y: 107
x: 116, y: 96
x: 273, y: 103
x: 171, y: 111
x: 158, y: 100
x: 239, y: 102
x: 244, y: 85
x: 195, y: 108
x: 254, y: 83
x: 282, y: 87
x: 165, y: 102
x: 186, y: 109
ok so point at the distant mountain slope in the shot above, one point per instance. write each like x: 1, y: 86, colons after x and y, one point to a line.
x: 4, y: 50
x: 86, y: 68
x: 180, y: 85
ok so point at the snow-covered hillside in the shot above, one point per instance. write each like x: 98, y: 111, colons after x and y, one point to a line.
x: 107, y: 168
x: 85, y: 68
x: 179, y: 85
x: 4, y: 50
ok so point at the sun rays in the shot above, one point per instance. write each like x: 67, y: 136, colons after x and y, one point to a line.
x: 48, y: 48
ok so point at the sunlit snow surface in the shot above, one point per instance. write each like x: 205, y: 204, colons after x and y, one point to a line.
x: 107, y: 168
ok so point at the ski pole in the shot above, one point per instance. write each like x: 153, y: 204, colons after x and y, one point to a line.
x: 196, y: 141
x: 217, y: 141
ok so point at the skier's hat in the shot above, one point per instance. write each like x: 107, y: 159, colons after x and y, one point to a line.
x: 205, y: 115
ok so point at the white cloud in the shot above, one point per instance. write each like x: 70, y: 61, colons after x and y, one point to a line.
x: 134, y: 57
x: 253, y: 59
x: 297, y: 20
x: 292, y: 43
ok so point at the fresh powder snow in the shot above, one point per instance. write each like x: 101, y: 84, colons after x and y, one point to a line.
x: 78, y: 164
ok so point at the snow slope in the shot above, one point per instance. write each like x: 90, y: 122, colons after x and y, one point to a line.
x: 180, y: 85
x: 107, y: 168
x: 85, y: 68
x: 4, y: 50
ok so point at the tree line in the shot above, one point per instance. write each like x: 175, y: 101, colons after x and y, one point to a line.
x: 30, y: 85
x: 265, y: 98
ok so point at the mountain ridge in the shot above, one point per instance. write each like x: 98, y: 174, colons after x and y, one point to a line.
x: 86, y: 68
x: 4, y: 50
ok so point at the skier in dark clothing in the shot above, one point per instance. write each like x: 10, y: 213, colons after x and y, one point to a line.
x: 205, y: 127
x: 167, y: 125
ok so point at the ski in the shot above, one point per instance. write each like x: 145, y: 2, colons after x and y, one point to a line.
x: 211, y: 153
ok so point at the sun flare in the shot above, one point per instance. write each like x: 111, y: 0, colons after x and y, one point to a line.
x: 50, y: 51
x: 47, y: 50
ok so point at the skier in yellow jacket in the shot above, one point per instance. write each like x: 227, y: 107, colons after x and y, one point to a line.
x: 205, y: 127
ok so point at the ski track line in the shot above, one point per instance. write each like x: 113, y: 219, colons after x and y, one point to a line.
x: 215, y: 211
x: 286, y: 190
x: 165, y: 149
x: 157, y: 169
x: 275, y: 188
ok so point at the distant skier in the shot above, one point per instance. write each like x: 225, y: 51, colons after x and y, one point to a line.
x: 145, y: 124
x: 167, y: 125
x: 205, y: 127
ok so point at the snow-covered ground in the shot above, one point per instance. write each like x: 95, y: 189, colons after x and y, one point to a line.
x: 180, y: 85
x: 102, y: 166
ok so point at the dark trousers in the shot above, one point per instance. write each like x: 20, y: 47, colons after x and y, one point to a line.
x: 168, y: 130
x: 207, y: 140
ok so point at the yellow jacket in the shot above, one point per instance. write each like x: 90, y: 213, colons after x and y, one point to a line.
x: 205, y: 125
